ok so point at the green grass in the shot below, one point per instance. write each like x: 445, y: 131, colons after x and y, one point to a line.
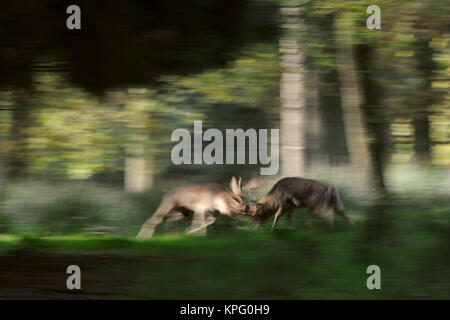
x: 407, y: 239
x: 286, y: 264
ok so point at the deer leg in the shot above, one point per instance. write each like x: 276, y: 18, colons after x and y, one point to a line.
x: 200, y: 222
x: 174, y: 218
x: 148, y: 228
x: 346, y: 217
x: 326, y: 213
x: 210, y: 220
x: 277, y: 216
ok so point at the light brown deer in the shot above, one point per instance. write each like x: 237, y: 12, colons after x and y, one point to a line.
x: 201, y: 201
x: 288, y: 193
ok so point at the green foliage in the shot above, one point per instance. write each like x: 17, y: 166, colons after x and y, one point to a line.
x: 133, y: 43
x: 70, y: 215
x: 76, y: 208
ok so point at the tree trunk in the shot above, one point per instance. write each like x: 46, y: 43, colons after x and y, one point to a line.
x: 351, y: 96
x: 292, y: 96
x: 138, y: 175
x: 420, y: 122
x: 333, y: 140
x: 422, y: 143
x: 377, y: 125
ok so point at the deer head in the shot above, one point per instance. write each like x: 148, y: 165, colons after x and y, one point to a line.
x: 241, y: 193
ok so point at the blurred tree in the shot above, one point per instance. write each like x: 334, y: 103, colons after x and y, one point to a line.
x: 217, y: 62
x: 128, y: 43
x: 333, y: 138
x: 377, y: 126
x: 292, y: 95
x: 245, y: 94
x: 121, y: 44
x: 351, y: 95
x: 420, y: 121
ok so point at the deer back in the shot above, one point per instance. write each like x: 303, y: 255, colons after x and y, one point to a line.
x: 293, y: 191
x: 210, y: 197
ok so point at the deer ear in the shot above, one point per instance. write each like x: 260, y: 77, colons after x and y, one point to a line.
x: 234, y: 186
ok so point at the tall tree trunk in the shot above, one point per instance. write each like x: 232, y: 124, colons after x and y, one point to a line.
x: 351, y: 96
x: 422, y: 143
x: 378, y: 126
x: 420, y: 121
x: 138, y: 175
x: 313, y: 128
x: 333, y: 131
x: 292, y: 96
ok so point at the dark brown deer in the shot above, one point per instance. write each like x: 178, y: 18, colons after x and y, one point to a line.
x: 288, y: 193
x: 199, y: 201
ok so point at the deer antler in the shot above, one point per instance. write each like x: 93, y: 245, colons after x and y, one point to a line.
x: 252, y: 184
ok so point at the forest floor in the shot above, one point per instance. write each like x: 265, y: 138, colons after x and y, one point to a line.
x: 241, y: 264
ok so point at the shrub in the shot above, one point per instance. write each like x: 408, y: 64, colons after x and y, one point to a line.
x: 70, y: 215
